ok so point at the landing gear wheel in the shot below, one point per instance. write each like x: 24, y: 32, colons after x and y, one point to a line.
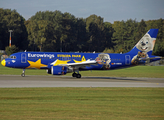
x: 74, y: 75
x: 23, y: 75
x: 78, y: 76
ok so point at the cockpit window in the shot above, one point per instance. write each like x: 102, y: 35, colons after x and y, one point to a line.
x: 12, y: 57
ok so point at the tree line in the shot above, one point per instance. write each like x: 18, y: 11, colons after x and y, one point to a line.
x: 54, y: 31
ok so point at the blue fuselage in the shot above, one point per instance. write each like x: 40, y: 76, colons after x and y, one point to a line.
x: 25, y: 59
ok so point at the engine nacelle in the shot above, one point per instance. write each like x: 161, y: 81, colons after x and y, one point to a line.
x: 58, y: 70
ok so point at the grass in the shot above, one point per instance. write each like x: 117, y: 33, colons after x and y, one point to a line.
x: 138, y: 71
x: 82, y: 103
x: 13, y: 71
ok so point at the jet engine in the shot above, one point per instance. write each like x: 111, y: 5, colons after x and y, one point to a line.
x: 58, y: 70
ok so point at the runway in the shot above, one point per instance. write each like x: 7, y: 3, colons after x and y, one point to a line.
x: 14, y: 81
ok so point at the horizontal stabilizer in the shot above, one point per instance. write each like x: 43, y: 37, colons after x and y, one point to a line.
x: 151, y: 58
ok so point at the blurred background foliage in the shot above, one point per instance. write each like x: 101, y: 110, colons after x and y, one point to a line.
x: 54, y: 31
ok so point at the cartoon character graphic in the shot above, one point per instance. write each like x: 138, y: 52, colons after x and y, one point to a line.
x: 104, y: 59
x: 144, y: 46
x: 135, y: 59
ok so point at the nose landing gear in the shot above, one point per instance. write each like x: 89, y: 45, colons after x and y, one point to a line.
x: 23, y: 73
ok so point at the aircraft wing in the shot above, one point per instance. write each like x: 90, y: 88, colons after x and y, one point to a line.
x: 81, y: 64
x: 86, y: 63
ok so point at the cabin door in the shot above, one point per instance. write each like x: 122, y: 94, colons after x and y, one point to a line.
x: 23, y: 58
x: 127, y: 59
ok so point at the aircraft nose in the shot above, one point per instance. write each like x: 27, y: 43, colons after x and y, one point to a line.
x: 3, y: 62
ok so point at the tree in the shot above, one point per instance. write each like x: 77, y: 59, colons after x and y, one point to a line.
x: 94, y: 28
x: 11, y: 50
x: 107, y: 33
x: 36, y: 33
x: 129, y: 34
x: 45, y: 28
x: 159, y: 46
x: 81, y: 35
x: 56, y: 31
x: 118, y: 35
x: 141, y: 30
x: 11, y: 20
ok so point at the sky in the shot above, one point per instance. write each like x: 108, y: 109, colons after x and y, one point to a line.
x: 110, y: 10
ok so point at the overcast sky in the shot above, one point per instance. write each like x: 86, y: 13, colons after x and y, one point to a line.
x: 110, y: 10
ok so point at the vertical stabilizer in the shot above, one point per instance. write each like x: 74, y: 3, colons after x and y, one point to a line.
x: 144, y: 48
x: 146, y: 43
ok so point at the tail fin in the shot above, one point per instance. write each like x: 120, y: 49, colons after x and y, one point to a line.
x: 146, y: 43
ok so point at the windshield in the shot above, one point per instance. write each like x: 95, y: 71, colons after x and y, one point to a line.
x: 12, y: 57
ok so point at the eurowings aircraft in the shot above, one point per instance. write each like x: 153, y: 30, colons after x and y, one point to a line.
x: 61, y: 63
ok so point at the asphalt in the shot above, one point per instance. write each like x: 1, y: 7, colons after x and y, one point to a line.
x: 14, y: 81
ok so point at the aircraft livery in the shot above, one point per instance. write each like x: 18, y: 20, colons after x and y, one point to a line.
x: 60, y: 63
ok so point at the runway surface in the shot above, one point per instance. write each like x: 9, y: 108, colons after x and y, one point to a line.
x: 13, y: 81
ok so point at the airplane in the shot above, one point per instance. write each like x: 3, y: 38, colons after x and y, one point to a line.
x: 61, y: 63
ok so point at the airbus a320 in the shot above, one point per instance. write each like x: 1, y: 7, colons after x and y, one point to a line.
x: 61, y: 63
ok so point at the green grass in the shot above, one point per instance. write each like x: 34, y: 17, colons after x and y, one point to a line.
x: 13, y: 71
x: 138, y: 71
x: 82, y: 103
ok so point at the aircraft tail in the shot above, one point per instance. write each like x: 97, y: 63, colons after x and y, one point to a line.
x: 146, y: 44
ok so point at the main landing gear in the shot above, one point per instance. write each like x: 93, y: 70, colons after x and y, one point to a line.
x: 23, y: 73
x: 77, y: 75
